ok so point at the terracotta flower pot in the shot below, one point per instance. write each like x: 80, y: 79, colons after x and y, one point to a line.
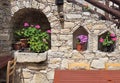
x: 17, y: 46
x: 24, y: 43
x: 79, y: 47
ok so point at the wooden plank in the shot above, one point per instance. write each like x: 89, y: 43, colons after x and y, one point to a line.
x: 93, y: 11
x: 87, y: 76
x: 107, y: 4
x: 104, y: 7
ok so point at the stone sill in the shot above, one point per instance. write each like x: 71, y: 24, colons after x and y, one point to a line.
x: 23, y: 57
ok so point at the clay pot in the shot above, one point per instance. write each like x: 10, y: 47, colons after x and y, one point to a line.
x: 17, y: 46
x: 79, y: 47
x: 24, y: 43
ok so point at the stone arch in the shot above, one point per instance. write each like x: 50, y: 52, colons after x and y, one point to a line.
x: 43, y: 6
x: 78, y: 25
x: 100, y: 33
x: 32, y: 16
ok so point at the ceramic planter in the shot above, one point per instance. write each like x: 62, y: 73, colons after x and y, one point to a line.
x: 17, y: 46
x: 79, y: 47
x: 24, y: 43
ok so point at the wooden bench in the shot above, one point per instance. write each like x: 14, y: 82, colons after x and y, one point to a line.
x: 87, y: 76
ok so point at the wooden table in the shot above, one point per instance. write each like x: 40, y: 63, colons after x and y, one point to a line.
x: 87, y: 76
x: 4, y: 60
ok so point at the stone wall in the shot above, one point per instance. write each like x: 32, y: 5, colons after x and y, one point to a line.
x: 61, y: 52
x: 5, y: 30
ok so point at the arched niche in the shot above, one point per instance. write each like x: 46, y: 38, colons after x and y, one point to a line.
x: 102, y: 42
x: 80, y: 31
x: 32, y: 16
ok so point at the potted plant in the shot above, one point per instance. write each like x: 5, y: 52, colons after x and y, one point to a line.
x: 37, y: 39
x: 108, y: 42
x: 17, y: 46
x: 81, y: 40
x: 20, y: 36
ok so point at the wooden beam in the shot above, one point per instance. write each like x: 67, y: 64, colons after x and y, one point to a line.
x: 92, y: 11
x: 107, y: 4
x: 105, y: 8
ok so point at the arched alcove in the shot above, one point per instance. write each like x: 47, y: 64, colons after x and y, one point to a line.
x: 106, y: 42
x: 80, y: 31
x: 33, y: 17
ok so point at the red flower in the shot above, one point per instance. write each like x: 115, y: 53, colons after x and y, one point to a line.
x: 37, y: 26
x: 26, y: 24
x: 112, y: 35
x: 48, y: 31
x: 101, y: 40
x: 114, y: 39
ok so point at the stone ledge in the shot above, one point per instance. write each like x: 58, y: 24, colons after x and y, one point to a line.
x: 23, y: 57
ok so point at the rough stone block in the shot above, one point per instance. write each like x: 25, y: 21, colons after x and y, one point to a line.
x: 4, y: 37
x: 65, y: 31
x: 73, y: 16
x: 100, y: 63
x: 27, y: 74
x: 50, y: 74
x: 68, y: 25
x: 30, y: 57
x: 39, y: 78
x: 65, y: 37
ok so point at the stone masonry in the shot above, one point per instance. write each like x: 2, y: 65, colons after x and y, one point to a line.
x: 61, y: 52
x: 5, y: 30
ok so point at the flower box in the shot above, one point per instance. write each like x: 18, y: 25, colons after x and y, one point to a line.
x: 23, y: 57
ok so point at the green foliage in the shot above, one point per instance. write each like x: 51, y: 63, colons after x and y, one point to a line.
x: 19, y: 33
x: 28, y: 32
x: 37, y: 40
x: 108, y: 39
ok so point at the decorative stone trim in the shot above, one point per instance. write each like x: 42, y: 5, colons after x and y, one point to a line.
x: 23, y: 57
